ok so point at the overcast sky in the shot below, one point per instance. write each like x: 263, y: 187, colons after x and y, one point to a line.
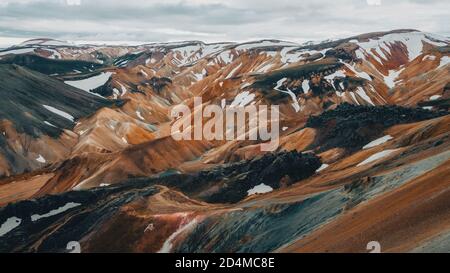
x: 214, y: 20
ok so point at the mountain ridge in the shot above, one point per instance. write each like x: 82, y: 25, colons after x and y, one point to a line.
x: 40, y: 40
x: 364, y: 118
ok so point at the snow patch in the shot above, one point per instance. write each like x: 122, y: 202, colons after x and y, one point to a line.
x: 336, y: 74
x: 378, y: 142
x: 66, y: 207
x: 10, y: 224
x: 264, y: 68
x: 226, y: 57
x: 288, y: 55
x: 323, y: 167
x: 59, y: 112
x: 233, y: 71
x: 168, y: 244
x: 279, y: 84
x: 243, y: 99
x: 223, y: 103
x: 435, y: 97
x: 377, y: 156
x: 245, y: 85
x: 354, y: 98
x: 391, y: 78
x: 360, y: 91
x: 123, y: 88
x: 116, y: 93
x: 200, y: 76
x: 305, y: 86
x: 49, y: 124
x: 444, y: 61
x: 412, y: 40
x: 362, y: 75
x: 138, y: 113
x: 290, y: 93
x: 41, y: 159
x: 429, y: 58
x: 260, y: 189
x: 92, y: 82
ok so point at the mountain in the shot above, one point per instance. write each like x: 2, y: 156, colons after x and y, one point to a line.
x: 87, y: 154
x: 37, y: 116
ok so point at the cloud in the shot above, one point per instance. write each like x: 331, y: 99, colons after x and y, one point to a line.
x: 216, y: 20
x: 374, y: 2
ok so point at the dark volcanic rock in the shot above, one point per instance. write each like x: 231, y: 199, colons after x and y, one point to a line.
x: 105, y: 90
x: 94, y: 207
x: 350, y: 126
x: 158, y: 84
x: 50, y: 66
x: 128, y: 59
x: 447, y: 87
x: 274, y: 170
x: 24, y: 93
x: 230, y: 183
x: 442, y: 104
x: 295, y: 75
x: 345, y: 51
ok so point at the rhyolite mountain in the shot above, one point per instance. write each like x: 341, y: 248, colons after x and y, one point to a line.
x: 86, y: 153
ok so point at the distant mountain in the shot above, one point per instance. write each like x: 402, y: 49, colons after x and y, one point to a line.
x: 36, y: 113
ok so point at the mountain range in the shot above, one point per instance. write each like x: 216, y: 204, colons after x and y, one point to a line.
x: 86, y: 152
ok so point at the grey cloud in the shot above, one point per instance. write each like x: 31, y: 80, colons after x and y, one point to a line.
x: 216, y: 20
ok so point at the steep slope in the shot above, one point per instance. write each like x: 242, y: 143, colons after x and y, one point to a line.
x: 304, y: 79
x: 36, y: 115
x: 336, y: 203
x: 364, y: 128
x: 50, y: 66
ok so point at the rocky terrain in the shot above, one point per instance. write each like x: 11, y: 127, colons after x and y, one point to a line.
x: 86, y: 152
